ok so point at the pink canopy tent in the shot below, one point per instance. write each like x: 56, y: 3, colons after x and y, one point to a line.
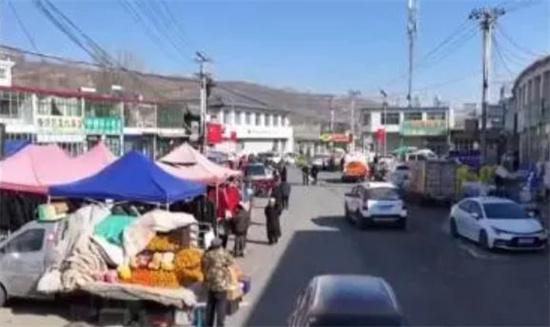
x: 37, y: 167
x: 188, y: 163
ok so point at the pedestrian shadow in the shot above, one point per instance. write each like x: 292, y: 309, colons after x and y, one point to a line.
x: 257, y: 242
x: 329, y: 221
x: 306, y: 256
x: 255, y: 223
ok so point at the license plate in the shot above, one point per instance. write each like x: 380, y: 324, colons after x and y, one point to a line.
x: 526, y: 241
x: 385, y: 207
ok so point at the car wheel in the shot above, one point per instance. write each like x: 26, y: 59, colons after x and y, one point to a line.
x: 3, y: 295
x: 483, y: 240
x: 454, y: 230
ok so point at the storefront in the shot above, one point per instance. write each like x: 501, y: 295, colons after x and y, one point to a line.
x: 59, y: 120
x: 103, y: 121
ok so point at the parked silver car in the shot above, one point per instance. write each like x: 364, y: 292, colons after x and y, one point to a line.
x: 24, y: 256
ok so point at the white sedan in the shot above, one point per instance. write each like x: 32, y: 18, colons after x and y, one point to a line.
x: 496, y: 223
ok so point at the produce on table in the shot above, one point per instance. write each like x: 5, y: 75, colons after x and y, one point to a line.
x: 188, y: 266
x: 156, y: 278
x: 124, y: 272
x: 164, y: 243
x: 155, y: 262
x: 167, y: 262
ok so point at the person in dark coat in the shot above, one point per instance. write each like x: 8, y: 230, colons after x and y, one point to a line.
x: 285, y: 188
x: 273, y: 225
x: 305, y: 175
x: 314, y: 173
x: 283, y: 173
x: 278, y: 194
x: 241, y: 222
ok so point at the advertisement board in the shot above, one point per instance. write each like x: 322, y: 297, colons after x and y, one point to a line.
x: 423, y: 128
x: 51, y: 129
x: 103, y: 125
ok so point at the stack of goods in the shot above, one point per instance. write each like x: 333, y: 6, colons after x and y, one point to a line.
x: 188, y: 266
x: 164, y: 264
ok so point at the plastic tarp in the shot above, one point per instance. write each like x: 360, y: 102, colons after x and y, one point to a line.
x: 13, y: 146
x: 133, y: 177
x: 192, y: 165
x: 36, y: 167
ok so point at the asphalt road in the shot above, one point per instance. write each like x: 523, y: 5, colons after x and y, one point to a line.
x: 438, y: 280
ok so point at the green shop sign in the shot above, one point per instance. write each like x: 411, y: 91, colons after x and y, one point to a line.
x: 103, y: 125
x: 423, y: 128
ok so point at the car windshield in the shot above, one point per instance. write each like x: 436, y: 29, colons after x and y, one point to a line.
x: 504, y: 211
x: 383, y: 193
x: 255, y: 170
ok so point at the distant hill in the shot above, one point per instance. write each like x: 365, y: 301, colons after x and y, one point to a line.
x: 56, y: 74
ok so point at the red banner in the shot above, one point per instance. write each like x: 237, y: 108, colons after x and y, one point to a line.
x: 214, y: 133
x: 380, y: 135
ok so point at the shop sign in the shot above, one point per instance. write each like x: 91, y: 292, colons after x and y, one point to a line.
x: 335, y: 137
x: 58, y: 124
x: 423, y: 127
x: 103, y: 125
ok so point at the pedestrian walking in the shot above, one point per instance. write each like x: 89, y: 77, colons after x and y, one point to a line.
x: 283, y: 172
x: 305, y: 175
x: 314, y: 173
x: 278, y: 194
x: 215, y: 265
x: 273, y: 225
x: 241, y: 222
x: 285, y: 188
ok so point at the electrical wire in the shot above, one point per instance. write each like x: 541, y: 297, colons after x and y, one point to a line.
x: 22, y: 25
x: 524, y: 50
x: 500, y: 57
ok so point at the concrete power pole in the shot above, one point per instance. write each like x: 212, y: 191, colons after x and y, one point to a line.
x: 353, y: 94
x: 411, y: 31
x: 486, y: 17
x: 201, y: 59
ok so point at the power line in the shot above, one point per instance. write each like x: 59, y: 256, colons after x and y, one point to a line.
x: 524, y: 50
x: 22, y: 25
x: 496, y: 46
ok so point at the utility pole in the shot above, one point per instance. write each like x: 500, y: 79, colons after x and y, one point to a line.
x: 384, y: 109
x: 411, y: 31
x: 330, y: 99
x: 201, y: 59
x: 487, y: 18
x: 352, y: 94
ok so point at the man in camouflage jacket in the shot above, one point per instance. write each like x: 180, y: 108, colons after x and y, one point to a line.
x: 216, y: 263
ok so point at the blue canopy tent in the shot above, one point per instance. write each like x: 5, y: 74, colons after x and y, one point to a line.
x: 133, y: 177
x: 13, y: 146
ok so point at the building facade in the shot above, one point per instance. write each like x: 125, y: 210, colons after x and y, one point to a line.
x: 422, y: 127
x: 76, y: 120
x: 529, y: 114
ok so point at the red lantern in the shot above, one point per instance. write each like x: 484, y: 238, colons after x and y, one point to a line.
x: 213, y: 133
x: 381, y: 135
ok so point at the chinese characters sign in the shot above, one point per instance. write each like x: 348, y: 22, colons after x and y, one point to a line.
x: 424, y: 127
x: 58, y: 124
x: 103, y: 125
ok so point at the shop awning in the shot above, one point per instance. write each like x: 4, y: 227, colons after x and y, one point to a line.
x: 36, y: 167
x: 13, y: 146
x: 188, y: 163
x: 133, y: 177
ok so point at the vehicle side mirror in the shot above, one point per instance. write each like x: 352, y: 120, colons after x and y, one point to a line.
x: 532, y: 213
x: 348, y: 194
x: 475, y: 215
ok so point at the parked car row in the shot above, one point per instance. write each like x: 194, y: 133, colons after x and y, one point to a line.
x: 492, y: 222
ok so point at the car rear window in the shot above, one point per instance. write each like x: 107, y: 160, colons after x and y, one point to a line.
x: 255, y: 170
x: 504, y: 211
x: 382, y: 193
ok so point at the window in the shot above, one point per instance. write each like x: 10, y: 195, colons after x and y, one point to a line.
x: 475, y: 208
x: 102, y: 109
x: 391, y: 118
x: 366, y: 119
x: 257, y: 120
x: 226, y: 117
x: 247, y: 118
x: 504, y: 211
x: 237, y: 117
x: 276, y: 120
x: 267, y: 120
x: 15, y: 104
x: 436, y: 116
x: 413, y: 116
x: 465, y: 206
x: 383, y: 193
x: 28, y: 241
